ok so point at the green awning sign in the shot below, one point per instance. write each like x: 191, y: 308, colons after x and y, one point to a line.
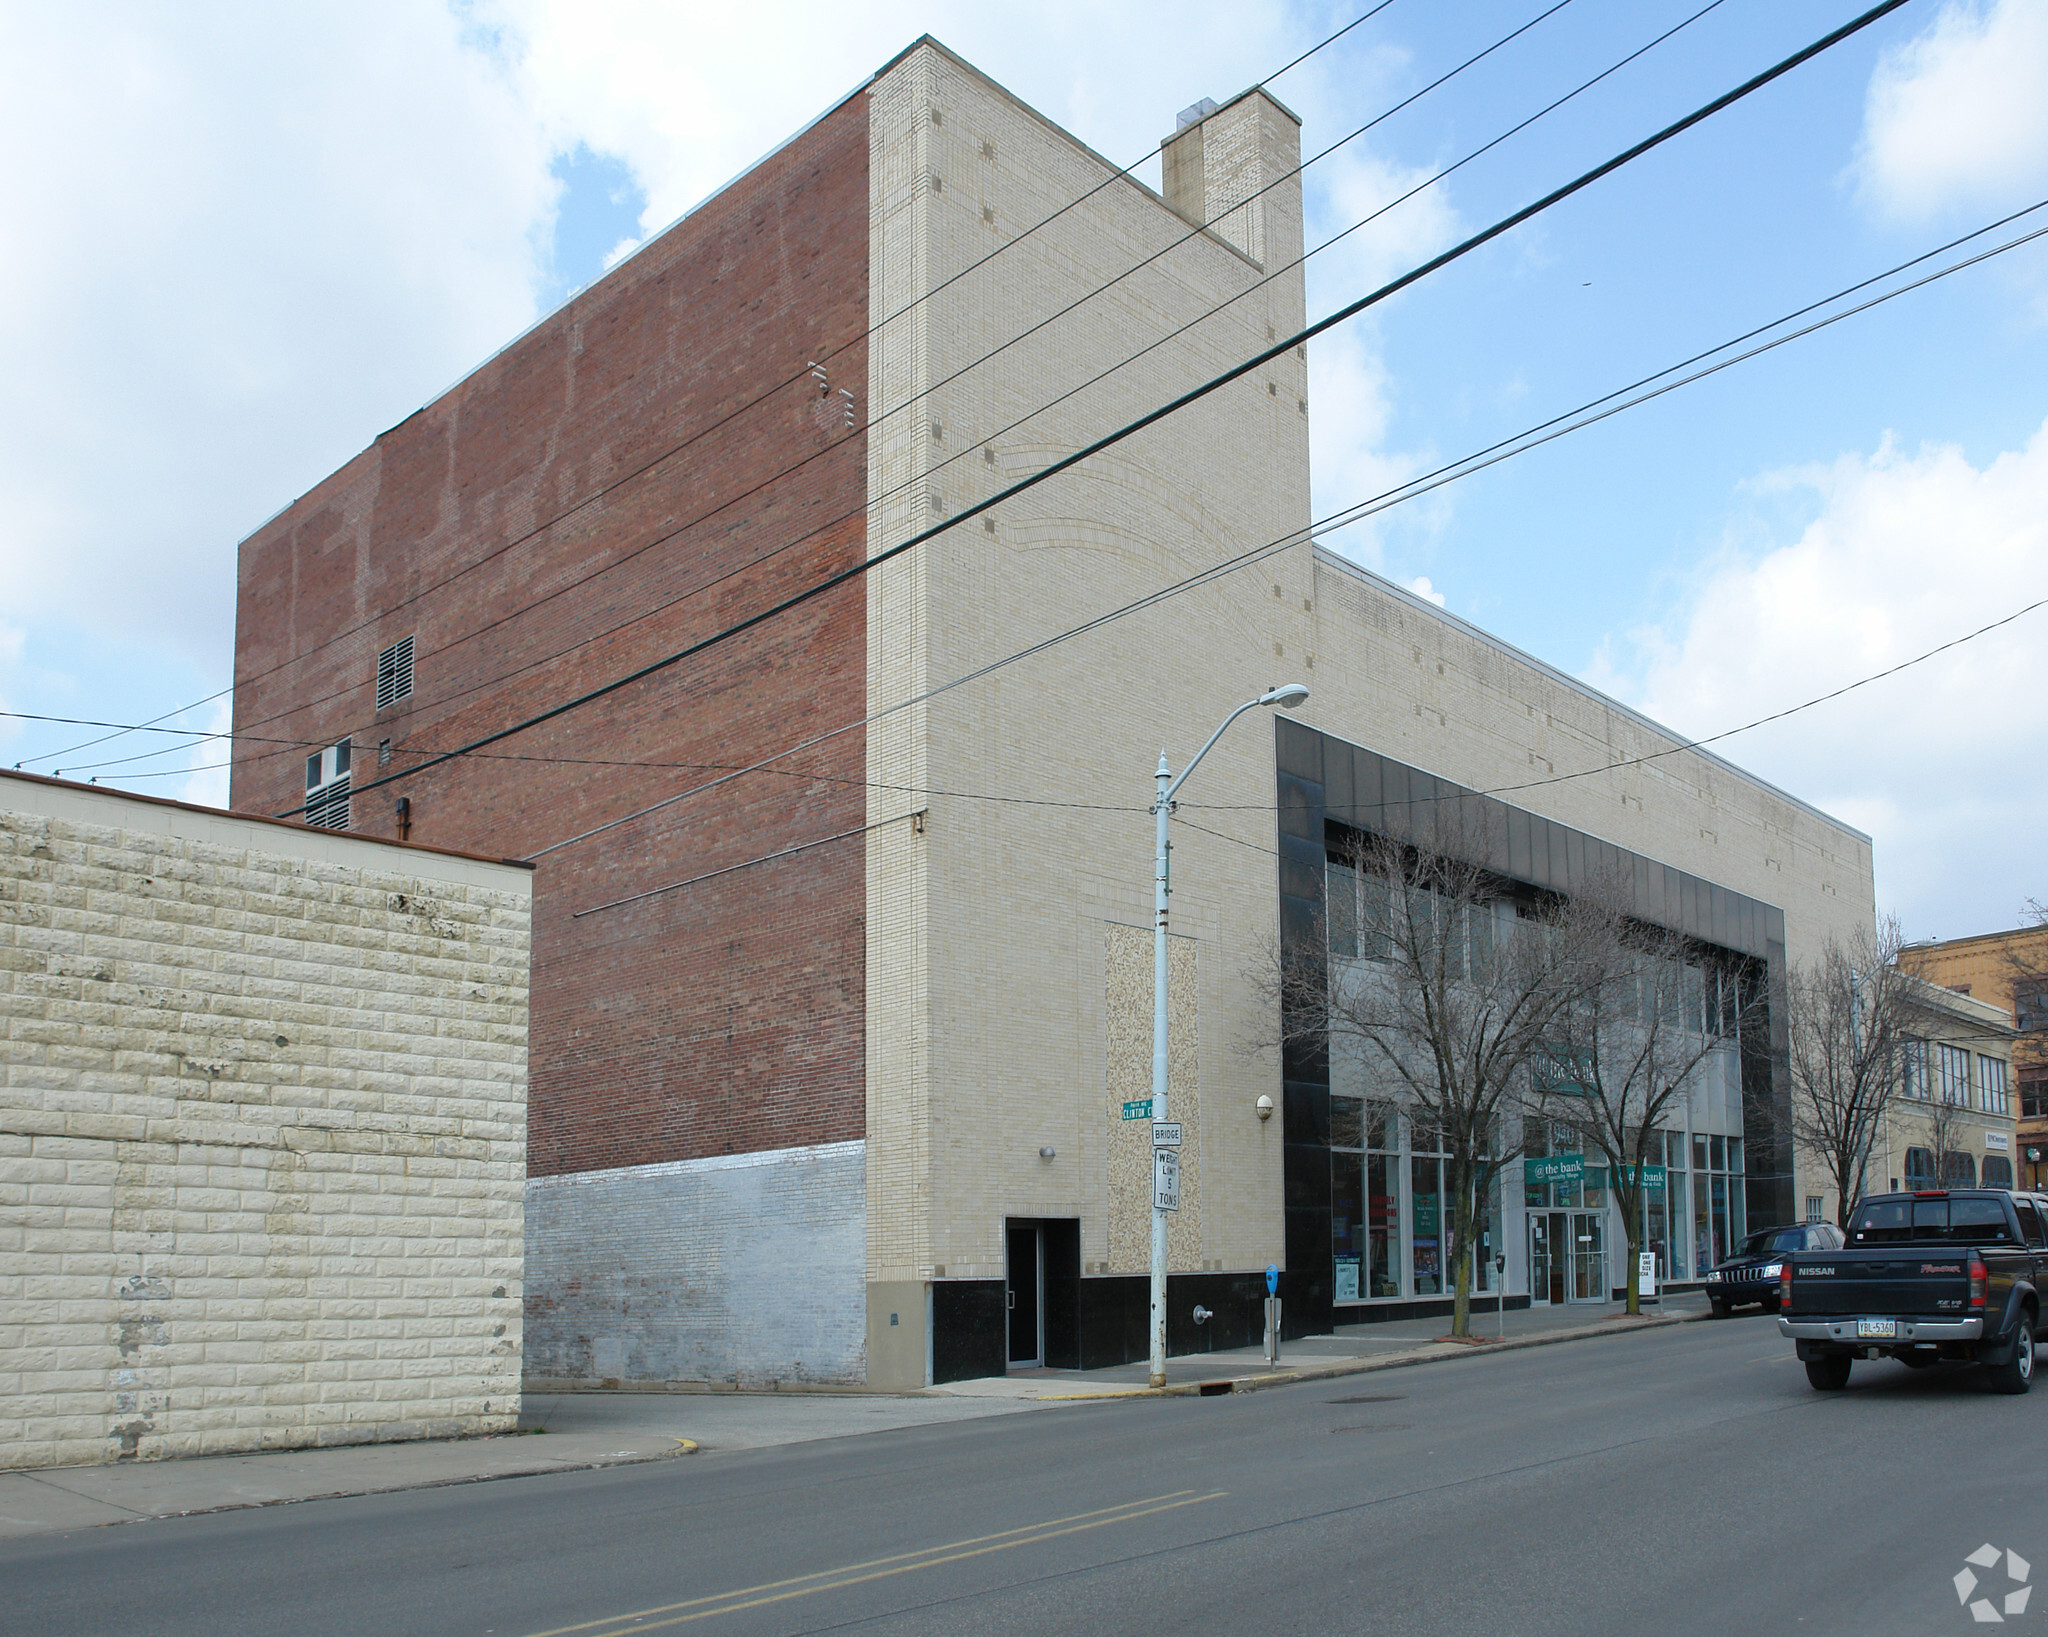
x: 1569, y: 1169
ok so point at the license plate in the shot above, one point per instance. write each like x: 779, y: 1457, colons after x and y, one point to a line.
x: 1878, y: 1329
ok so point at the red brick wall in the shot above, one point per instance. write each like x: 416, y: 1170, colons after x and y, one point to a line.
x: 723, y: 1018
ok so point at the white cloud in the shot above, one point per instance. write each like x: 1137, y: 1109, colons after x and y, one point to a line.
x: 1959, y: 115
x: 1350, y: 390
x: 245, y: 240
x: 250, y: 239
x: 1941, y: 764
x: 1422, y: 588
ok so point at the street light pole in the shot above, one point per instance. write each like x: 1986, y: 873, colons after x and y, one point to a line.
x: 1286, y: 698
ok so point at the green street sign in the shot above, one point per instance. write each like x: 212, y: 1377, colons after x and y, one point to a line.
x: 1140, y: 1110
x: 1565, y: 1168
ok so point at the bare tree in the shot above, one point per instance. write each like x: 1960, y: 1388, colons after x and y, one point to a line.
x: 1646, y: 1012
x: 1846, y: 1015
x: 1446, y: 989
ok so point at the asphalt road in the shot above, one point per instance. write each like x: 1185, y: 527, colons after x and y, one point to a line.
x: 1682, y: 1480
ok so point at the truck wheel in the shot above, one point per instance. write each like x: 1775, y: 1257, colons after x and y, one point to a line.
x: 1828, y: 1375
x: 2016, y: 1375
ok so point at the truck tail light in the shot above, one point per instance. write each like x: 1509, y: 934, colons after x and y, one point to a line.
x: 1785, y: 1286
x: 1980, y: 1278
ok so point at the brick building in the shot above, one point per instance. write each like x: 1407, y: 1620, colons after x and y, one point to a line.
x: 2007, y: 971
x: 262, y: 1132
x: 840, y: 965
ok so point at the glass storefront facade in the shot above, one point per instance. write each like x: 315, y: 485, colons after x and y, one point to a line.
x: 1390, y: 1217
x: 1563, y: 1237
x: 1386, y: 1226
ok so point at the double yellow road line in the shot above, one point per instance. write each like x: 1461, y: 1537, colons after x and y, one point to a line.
x: 879, y: 1568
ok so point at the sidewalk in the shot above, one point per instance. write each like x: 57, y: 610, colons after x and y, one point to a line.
x: 1351, y: 1350
x: 563, y: 1432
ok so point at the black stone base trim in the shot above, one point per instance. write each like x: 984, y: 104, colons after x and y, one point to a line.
x: 970, y: 1329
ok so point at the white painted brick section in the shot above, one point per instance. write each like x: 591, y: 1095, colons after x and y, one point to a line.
x: 746, y: 1269
x: 262, y: 1133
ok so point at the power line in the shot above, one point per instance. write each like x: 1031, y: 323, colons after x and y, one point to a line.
x: 1655, y: 755
x: 909, y: 484
x: 1065, y: 463
x: 1522, y: 442
x: 1330, y: 523
x: 1334, y: 521
x: 1240, y: 841
x: 1121, y: 173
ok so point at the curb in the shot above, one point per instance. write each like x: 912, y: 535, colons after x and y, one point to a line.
x: 1394, y: 1361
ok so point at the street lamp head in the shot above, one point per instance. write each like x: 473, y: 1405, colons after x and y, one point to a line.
x: 1286, y: 697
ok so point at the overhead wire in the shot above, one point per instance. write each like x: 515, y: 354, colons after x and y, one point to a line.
x: 1215, y: 383
x: 1330, y: 523
x: 1117, y: 174
x: 1221, y: 835
x: 910, y: 484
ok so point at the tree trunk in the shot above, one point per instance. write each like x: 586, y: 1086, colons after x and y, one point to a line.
x: 1461, y: 1240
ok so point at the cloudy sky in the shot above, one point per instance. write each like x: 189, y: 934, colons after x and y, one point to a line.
x: 246, y: 239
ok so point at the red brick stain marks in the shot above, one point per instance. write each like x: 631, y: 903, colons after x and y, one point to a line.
x: 727, y: 1017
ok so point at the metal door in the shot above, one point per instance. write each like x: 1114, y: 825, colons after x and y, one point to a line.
x: 1026, y: 1297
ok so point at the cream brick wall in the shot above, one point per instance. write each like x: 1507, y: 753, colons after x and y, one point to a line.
x: 262, y: 1133
x: 990, y: 1029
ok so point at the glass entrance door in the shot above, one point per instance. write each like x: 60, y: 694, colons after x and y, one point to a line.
x: 1549, y: 1256
x: 1026, y: 1292
x: 1589, y: 1256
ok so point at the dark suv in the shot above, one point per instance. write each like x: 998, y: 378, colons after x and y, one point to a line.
x: 1751, y: 1275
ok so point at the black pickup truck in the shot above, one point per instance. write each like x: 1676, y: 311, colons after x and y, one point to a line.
x: 1926, y: 1277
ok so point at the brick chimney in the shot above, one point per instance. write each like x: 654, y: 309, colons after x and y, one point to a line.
x: 1219, y: 168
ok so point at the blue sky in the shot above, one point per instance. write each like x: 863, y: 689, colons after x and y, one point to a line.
x: 257, y: 237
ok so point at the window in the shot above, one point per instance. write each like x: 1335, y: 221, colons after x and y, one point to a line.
x: 2030, y: 1222
x: 1915, y: 1066
x: 1365, y: 1225
x: 327, y: 788
x: 1958, y: 1171
x: 2033, y: 1096
x: 1991, y: 1085
x: 1954, y: 1066
x: 1340, y: 901
x: 1813, y: 1207
x: 1997, y: 1171
x: 1919, y: 1169
x: 394, y: 673
x: 1981, y: 1220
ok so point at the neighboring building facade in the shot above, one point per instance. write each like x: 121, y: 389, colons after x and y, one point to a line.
x: 2007, y: 970
x: 1953, y: 1126
x: 262, y: 1132
x: 830, y: 1047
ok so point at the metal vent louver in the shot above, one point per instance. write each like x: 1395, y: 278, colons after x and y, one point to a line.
x: 394, y: 673
x: 327, y: 788
x: 327, y: 807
